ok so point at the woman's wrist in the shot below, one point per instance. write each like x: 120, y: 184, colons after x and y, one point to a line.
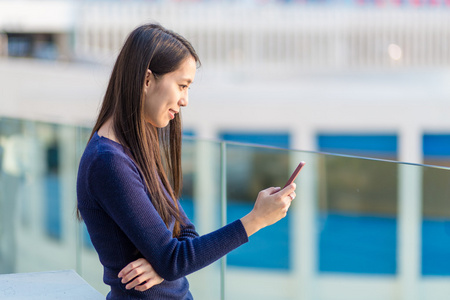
x: 251, y: 224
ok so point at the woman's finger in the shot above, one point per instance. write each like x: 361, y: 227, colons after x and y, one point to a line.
x: 139, y: 280
x: 149, y: 283
x: 132, y: 274
x: 273, y: 190
x: 287, y: 190
x: 132, y: 265
x: 292, y: 195
x: 287, y: 207
x: 145, y: 268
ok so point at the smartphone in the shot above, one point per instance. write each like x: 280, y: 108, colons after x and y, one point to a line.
x: 295, y: 173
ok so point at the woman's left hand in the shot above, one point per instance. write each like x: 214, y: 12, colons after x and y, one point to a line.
x: 143, y: 274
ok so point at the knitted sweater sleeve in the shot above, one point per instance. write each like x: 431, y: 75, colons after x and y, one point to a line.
x: 188, y: 229
x: 115, y: 183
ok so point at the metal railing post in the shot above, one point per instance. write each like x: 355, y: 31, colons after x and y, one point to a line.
x: 223, y: 211
x: 79, y: 225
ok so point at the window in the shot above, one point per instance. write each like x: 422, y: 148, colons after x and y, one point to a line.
x: 358, y: 204
x: 436, y: 205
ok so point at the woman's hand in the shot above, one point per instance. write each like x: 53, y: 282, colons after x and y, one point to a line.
x: 271, y: 205
x: 143, y: 274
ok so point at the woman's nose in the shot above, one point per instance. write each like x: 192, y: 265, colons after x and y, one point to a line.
x: 184, y: 100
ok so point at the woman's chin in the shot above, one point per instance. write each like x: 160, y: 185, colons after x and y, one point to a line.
x: 159, y: 124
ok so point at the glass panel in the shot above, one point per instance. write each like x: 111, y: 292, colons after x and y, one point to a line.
x: 201, y: 202
x: 11, y: 182
x: 436, y: 222
x: 249, y: 170
x: 188, y: 160
x: 267, y: 256
x: 37, y: 198
x: 350, y: 226
x: 358, y: 208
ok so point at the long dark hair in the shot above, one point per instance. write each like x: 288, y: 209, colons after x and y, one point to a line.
x: 156, y: 151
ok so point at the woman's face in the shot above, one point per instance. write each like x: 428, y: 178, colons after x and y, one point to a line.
x: 166, y: 95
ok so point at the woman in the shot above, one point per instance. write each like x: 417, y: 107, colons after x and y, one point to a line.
x: 129, y: 177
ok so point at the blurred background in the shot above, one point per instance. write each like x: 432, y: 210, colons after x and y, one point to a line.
x: 358, y: 89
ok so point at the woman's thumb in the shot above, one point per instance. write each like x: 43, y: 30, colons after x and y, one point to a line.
x: 273, y: 190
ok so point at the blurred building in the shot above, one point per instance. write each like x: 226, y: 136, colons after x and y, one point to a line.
x: 326, y: 61
x: 365, y: 78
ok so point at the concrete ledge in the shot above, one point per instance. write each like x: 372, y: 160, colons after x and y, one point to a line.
x: 63, y: 285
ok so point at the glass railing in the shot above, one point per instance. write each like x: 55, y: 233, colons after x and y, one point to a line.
x: 358, y: 229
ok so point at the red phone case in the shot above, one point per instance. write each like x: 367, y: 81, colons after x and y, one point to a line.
x: 295, y: 173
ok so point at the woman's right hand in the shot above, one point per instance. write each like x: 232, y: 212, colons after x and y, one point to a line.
x: 271, y: 206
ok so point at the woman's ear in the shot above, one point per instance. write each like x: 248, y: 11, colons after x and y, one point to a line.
x: 148, y: 78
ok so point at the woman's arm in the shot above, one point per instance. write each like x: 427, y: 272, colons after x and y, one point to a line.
x: 140, y: 274
x: 141, y: 270
x: 188, y: 229
x: 115, y: 183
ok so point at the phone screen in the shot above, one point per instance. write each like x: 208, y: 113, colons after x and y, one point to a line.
x: 295, y: 173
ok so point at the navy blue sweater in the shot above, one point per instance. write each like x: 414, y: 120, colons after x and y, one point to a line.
x: 124, y: 225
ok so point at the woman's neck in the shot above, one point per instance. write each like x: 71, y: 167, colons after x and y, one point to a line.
x: 107, y: 131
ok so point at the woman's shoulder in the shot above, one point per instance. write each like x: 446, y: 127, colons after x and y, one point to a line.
x: 104, y: 168
x: 105, y: 153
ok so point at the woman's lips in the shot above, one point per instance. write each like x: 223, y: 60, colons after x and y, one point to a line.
x: 172, y: 113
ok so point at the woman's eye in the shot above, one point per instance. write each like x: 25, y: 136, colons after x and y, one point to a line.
x: 183, y: 87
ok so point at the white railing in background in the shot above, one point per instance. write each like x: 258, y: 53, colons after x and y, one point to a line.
x: 285, y: 37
